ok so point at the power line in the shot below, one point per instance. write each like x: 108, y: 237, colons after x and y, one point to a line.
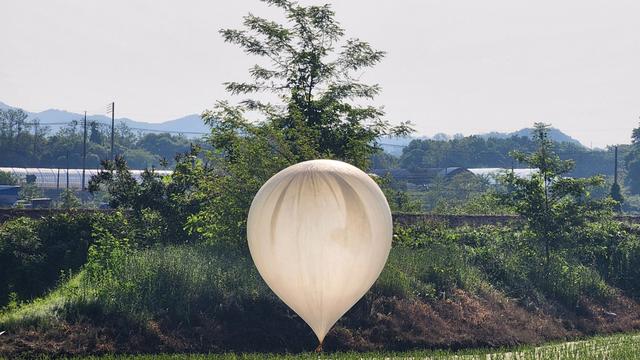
x: 113, y: 110
x: 76, y: 122
x: 84, y: 148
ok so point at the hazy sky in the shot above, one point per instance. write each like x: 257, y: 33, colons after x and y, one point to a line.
x: 453, y: 66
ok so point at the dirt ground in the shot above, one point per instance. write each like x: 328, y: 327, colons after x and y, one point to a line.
x: 462, y: 320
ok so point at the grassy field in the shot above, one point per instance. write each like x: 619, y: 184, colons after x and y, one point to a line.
x: 618, y: 347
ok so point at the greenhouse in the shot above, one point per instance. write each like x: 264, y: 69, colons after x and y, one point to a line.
x: 54, y: 178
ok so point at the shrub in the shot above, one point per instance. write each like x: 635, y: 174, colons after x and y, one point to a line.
x: 34, y: 253
x: 401, y: 275
x: 435, y: 255
x: 21, y: 258
x: 625, y: 265
x: 177, y: 283
x: 568, y: 281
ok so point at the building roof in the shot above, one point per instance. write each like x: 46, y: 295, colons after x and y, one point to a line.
x: 492, y: 173
x: 9, y: 188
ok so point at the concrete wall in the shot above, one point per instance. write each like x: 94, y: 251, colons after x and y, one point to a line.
x: 454, y: 220
x: 479, y: 220
x: 8, y: 214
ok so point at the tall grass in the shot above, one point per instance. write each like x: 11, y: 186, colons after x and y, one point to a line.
x: 177, y: 282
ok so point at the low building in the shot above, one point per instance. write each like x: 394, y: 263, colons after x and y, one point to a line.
x: 8, y: 195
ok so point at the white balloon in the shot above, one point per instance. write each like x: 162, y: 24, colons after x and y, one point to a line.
x: 319, y: 233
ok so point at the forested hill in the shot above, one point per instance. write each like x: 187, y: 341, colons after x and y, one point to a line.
x: 21, y: 147
x: 480, y: 151
x: 394, y: 145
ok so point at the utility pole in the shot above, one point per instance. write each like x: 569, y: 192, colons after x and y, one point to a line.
x: 35, y: 139
x: 615, y: 166
x: 113, y: 128
x: 84, y: 149
x: 67, y: 169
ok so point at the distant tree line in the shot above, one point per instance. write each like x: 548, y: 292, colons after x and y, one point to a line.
x: 21, y: 146
x: 479, y: 152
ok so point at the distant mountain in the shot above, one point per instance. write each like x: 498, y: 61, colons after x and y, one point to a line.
x: 555, y: 135
x: 190, y: 125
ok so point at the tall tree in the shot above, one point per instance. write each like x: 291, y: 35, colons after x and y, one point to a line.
x: 553, y: 205
x: 633, y: 162
x: 308, y: 104
x: 314, y: 72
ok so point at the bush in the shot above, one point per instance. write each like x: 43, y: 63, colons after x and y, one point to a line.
x: 435, y: 255
x: 176, y: 283
x: 7, y: 178
x: 21, y: 258
x: 467, y: 257
x: 568, y: 281
x: 402, y: 275
x: 625, y: 265
x: 35, y: 253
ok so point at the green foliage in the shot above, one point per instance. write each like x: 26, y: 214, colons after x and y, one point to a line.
x: 478, y: 152
x: 383, y: 160
x: 104, y: 256
x: 21, y: 147
x: 553, y: 205
x: 633, y: 175
x: 616, y: 195
x: 162, y: 204
x: 36, y: 252
x: 317, y: 117
x: 316, y: 82
x: 29, y: 191
x: 505, y: 257
x: 483, y: 203
x: 183, y: 284
x: 69, y: 200
x: 398, y: 198
x: 570, y: 281
x: 632, y: 162
x: 178, y: 283
x: 174, y: 250
x: 624, y: 264
x: 7, y: 179
x: 512, y: 264
x: 20, y: 256
x: 435, y: 256
x: 445, y: 194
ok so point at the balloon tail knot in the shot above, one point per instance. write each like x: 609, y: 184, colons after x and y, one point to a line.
x: 319, y: 348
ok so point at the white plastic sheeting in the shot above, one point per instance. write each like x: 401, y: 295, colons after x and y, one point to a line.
x: 492, y: 174
x: 319, y: 233
x: 52, y: 178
